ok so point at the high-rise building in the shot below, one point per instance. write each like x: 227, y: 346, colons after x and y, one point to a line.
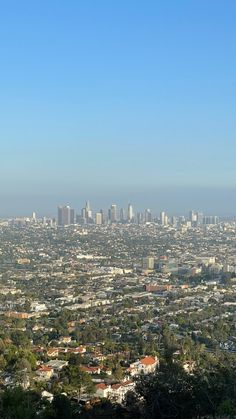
x: 199, y: 218
x: 139, y: 217
x: 192, y: 216
x: 148, y: 263
x: 98, y: 218
x: 163, y: 218
x: 83, y: 213
x: 174, y: 221
x: 102, y: 215
x: 122, y: 215
x: 147, y: 216
x: 210, y: 219
x: 87, y: 206
x: 72, y: 216
x: 66, y: 215
x: 113, y: 213
x: 130, y: 213
x: 86, y: 213
x: 89, y: 214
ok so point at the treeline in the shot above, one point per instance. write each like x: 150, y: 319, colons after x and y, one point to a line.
x: 208, y: 391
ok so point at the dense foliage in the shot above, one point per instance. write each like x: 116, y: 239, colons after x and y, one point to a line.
x: 171, y: 392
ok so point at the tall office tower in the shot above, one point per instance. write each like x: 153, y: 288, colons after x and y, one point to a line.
x: 113, y: 213
x: 140, y: 218
x: 147, y: 216
x: 87, y: 206
x: 60, y: 215
x: 98, y: 219
x: 122, y: 215
x: 72, y: 216
x: 130, y: 213
x: 162, y: 218
x: 83, y: 214
x: 65, y: 215
x: 174, y: 221
x: 192, y: 216
x: 88, y: 212
x: 211, y: 219
x: 102, y: 215
x: 199, y: 218
x: 148, y: 263
x: 34, y: 218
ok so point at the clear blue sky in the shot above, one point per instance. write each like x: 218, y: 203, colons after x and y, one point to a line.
x: 117, y: 100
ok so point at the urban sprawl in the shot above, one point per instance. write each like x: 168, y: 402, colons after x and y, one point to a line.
x: 100, y: 294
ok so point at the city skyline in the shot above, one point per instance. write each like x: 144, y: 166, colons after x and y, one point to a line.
x: 66, y: 214
x: 176, y: 201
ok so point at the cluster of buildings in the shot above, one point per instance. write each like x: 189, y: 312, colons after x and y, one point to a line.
x: 67, y: 216
x: 104, y: 292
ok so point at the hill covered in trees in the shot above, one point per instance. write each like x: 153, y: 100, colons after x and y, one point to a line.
x: 208, y: 391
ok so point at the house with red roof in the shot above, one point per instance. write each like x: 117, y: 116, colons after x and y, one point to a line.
x: 114, y: 392
x: 145, y: 365
x: 79, y: 350
x: 90, y: 370
x: 103, y: 390
x: 53, y: 352
x: 119, y: 390
x: 44, y: 372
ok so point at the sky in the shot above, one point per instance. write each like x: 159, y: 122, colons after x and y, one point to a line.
x: 117, y: 101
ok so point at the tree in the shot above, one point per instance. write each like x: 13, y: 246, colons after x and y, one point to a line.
x: 227, y: 409
x: 174, y: 393
x: 61, y: 408
x: 2, y: 363
x: 74, y: 380
x: 18, y: 404
x: 19, y: 338
x: 118, y: 372
x: 2, y: 347
x: 26, y: 306
x: 170, y: 344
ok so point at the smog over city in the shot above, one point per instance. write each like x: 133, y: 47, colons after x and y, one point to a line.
x: 117, y: 209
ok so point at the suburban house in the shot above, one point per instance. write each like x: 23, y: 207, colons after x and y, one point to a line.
x: 44, y: 372
x: 90, y: 370
x: 115, y: 391
x: 102, y: 390
x: 53, y: 352
x: 146, y: 365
